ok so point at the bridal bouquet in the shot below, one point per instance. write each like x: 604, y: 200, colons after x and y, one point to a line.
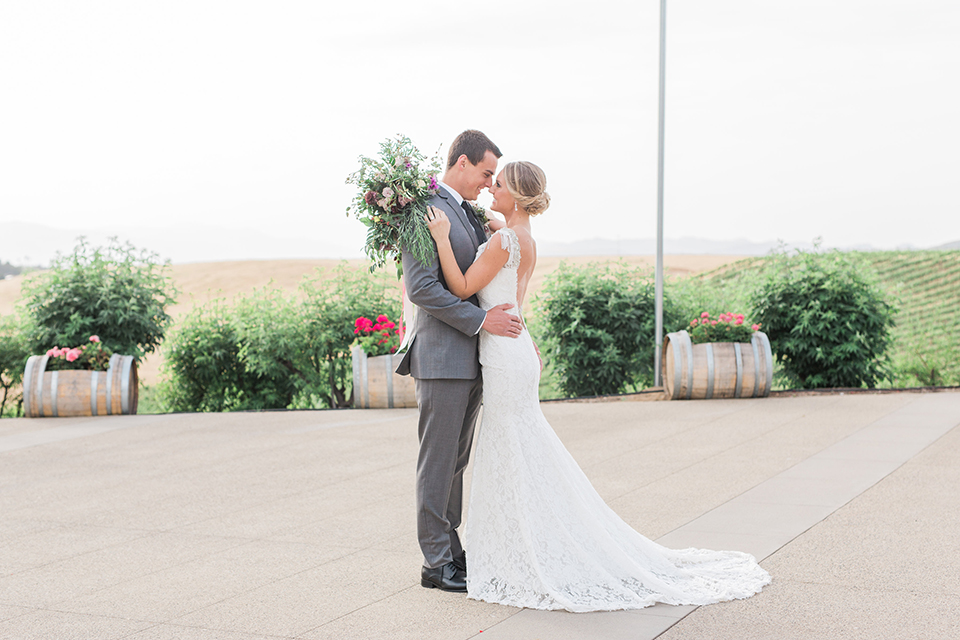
x: 727, y: 327
x: 393, y: 190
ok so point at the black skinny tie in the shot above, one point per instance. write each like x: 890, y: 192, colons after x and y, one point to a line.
x: 472, y: 217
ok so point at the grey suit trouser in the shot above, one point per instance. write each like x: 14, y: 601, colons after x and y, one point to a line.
x: 448, y: 415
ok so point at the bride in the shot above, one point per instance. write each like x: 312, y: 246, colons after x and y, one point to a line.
x: 538, y: 534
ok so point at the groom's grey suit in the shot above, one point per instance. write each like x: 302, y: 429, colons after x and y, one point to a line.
x: 443, y: 358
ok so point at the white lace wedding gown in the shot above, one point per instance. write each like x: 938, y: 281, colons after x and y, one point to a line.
x: 538, y: 535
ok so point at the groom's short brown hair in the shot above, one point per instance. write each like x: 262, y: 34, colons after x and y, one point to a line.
x: 473, y: 144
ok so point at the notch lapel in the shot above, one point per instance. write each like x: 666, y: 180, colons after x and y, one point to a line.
x: 460, y: 214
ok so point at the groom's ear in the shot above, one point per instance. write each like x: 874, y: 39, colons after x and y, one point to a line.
x: 462, y: 161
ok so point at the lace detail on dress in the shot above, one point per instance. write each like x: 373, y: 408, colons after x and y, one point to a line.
x: 537, y: 533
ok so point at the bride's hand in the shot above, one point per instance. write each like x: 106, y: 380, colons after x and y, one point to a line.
x: 439, y: 223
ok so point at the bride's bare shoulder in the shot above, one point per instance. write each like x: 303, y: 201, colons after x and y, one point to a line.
x: 525, y: 238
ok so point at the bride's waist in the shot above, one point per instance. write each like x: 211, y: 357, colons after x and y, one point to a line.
x: 486, y: 305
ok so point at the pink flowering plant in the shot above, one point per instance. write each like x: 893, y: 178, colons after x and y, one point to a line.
x: 93, y: 356
x: 726, y: 327
x: 377, y: 338
x: 393, y: 190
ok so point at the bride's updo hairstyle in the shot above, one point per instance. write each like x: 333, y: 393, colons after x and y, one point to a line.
x: 527, y: 183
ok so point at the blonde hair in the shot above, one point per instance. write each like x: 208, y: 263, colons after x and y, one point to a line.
x: 527, y: 183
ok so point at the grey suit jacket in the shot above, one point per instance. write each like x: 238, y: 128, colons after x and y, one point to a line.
x: 444, y: 342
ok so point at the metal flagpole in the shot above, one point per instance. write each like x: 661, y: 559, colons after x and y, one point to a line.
x: 658, y: 290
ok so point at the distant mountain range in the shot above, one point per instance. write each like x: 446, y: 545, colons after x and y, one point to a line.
x: 947, y: 246
x: 687, y: 245
x: 28, y: 244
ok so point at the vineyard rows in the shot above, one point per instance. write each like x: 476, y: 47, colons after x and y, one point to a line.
x: 924, y: 286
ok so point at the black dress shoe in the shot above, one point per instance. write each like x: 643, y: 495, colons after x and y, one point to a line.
x: 447, y: 578
x: 460, y: 562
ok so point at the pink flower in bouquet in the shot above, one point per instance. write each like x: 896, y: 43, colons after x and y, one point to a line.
x: 434, y: 185
x: 94, y: 338
x: 370, y: 197
x: 387, y: 192
x: 73, y: 354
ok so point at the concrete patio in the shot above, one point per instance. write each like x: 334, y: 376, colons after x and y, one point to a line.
x: 301, y: 524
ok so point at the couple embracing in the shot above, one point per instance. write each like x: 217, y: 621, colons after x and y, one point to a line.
x: 538, y: 534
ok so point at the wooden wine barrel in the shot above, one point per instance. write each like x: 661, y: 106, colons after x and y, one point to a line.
x: 716, y: 369
x: 80, y: 393
x: 377, y: 386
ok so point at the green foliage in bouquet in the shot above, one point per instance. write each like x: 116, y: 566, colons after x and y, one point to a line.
x: 392, y: 201
x: 117, y: 293
x: 726, y: 327
x: 599, y: 327
x: 827, y: 320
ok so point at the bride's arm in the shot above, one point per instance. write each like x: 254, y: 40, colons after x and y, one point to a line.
x: 480, y: 273
x: 496, y: 224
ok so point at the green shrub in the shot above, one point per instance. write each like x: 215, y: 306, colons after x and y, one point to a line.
x: 206, y: 372
x: 13, y: 358
x: 271, y: 350
x: 599, y: 327
x: 330, y: 309
x: 117, y: 293
x: 827, y: 320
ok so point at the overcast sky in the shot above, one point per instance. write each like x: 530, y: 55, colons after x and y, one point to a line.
x: 785, y: 119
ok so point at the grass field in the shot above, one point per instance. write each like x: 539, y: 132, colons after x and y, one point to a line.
x: 925, y: 286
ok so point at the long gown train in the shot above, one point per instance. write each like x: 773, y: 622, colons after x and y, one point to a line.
x: 537, y: 533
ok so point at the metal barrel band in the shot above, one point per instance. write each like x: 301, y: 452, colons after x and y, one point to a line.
x: 767, y: 362
x: 125, y: 385
x: 756, y: 365
x: 94, y: 380
x: 388, y: 366
x: 677, y: 366
x: 739, y: 388
x: 38, y: 392
x: 366, y: 383
x: 53, y: 393
x: 709, y: 347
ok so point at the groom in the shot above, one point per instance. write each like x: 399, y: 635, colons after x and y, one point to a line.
x: 443, y: 359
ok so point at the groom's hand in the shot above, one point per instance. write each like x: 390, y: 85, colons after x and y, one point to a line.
x: 500, y: 323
